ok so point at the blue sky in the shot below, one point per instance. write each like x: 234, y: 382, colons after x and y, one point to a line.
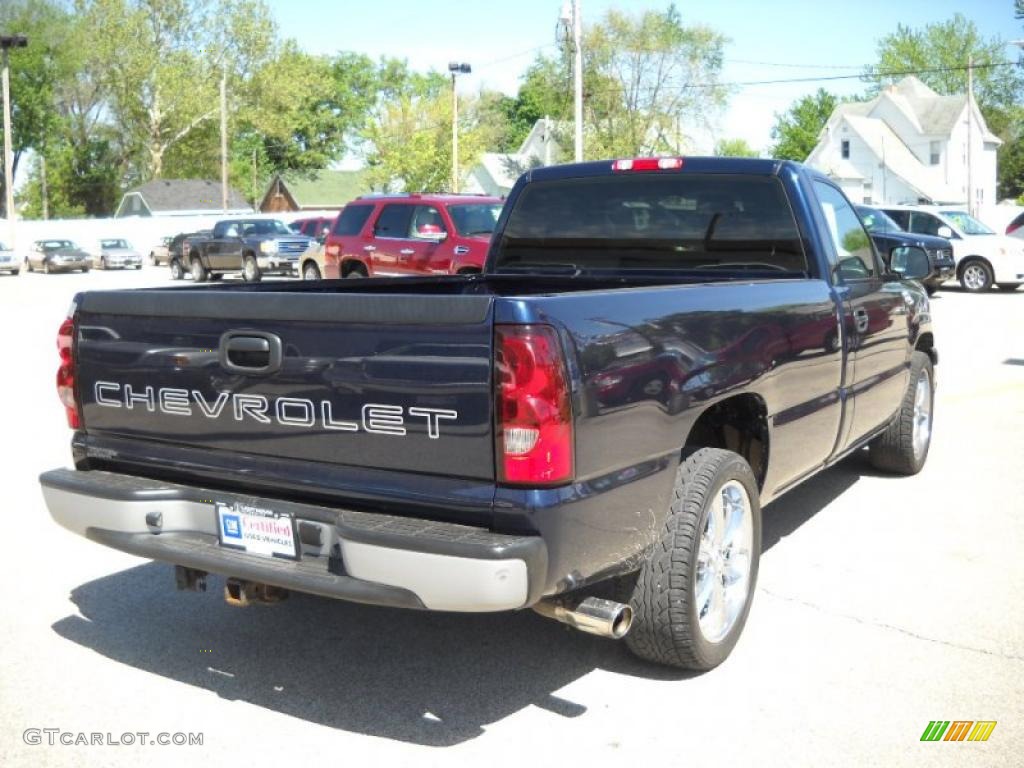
x: 500, y: 39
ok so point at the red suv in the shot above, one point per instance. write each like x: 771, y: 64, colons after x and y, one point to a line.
x: 400, y: 235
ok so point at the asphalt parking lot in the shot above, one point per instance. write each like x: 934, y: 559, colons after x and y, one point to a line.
x: 883, y: 603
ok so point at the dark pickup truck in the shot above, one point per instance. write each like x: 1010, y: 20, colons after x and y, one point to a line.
x: 254, y: 247
x: 590, y: 428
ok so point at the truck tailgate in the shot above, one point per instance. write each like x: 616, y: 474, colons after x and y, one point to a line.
x: 365, y: 380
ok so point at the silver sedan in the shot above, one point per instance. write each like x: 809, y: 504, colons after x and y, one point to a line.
x: 116, y: 253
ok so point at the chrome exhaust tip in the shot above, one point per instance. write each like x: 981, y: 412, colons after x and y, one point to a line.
x: 594, y: 615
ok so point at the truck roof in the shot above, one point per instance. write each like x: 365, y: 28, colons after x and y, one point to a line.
x: 743, y: 165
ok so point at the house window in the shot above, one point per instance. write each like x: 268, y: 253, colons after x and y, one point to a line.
x: 846, y: 149
x: 934, y: 151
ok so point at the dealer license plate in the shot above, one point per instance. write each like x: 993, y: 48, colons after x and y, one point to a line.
x: 255, y: 530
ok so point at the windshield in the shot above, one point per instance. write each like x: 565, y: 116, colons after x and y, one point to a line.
x: 679, y: 222
x: 56, y: 245
x: 876, y: 220
x: 476, y: 218
x: 967, y: 224
x: 3, y: 246
x: 113, y: 244
x: 265, y: 227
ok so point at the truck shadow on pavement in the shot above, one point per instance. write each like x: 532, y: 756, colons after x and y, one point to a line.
x: 429, y: 679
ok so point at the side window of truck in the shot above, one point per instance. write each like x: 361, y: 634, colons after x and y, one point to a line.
x: 352, y: 220
x: 854, y: 252
x: 393, y: 221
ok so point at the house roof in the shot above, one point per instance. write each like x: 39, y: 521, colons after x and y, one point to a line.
x: 323, y: 189
x: 168, y: 195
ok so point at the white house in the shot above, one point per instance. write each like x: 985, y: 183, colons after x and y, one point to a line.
x: 496, y: 172
x: 909, y: 145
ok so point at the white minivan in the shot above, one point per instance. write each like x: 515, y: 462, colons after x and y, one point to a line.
x: 983, y: 258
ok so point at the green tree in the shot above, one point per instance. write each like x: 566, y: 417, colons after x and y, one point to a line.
x: 407, y: 135
x: 36, y: 72
x: 647, y: 77
x: 734, y: 148
x: 161, y: 63
x: 796, y: 131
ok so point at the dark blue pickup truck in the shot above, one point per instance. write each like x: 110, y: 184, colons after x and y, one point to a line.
x: 590, y: 428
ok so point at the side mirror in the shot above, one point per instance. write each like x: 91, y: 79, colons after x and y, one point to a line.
x: 322, y: 237
x: 944, y: 231
x: 910, y: 262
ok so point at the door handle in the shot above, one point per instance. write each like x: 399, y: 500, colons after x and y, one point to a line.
x: 250, y: 352
x: 407, y: 251
x: 369, y: 248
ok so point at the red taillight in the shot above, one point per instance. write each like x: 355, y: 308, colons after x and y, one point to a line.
x: 66, y: 372
x: 534, y: 415
x: 649, y: 164
x: 1014, y: 226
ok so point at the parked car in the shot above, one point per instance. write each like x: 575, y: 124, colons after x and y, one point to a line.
x: 179, y: 251
x: 8, y: 261
x: 159, y: 253
x: 1016, y: 227
x: 887, y: 234
x: 57, y: 256
x: 983, y: 258
x: 116, y: 253
x: 314, y: 228
x: 311, y: 263
x: 461, y: 445
x: 254, y: 247
x: 404, y: 235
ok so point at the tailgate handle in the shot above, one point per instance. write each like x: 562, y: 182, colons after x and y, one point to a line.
x: 250, y: 352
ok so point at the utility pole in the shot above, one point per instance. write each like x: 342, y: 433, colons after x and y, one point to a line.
x: 970, y: 134
x: 42, y: 184
x: 254, y: 177
x: 6, y: 43
x: 456, y: 68
x: 224, y: 138
x: 577, y: 66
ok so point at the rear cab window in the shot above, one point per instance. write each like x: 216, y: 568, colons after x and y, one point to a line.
x: 655, y: 223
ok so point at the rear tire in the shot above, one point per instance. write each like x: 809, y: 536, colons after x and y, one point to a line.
x: 198, y: 271
x: 46, y: 267
x: 694, y: 591
x: 177, y: 272
x: 356, y: 272
x: 903, y: 447
x: 310, y: 271
x: 976, y: 276
x: 28, y: 266
x: 103, y: 264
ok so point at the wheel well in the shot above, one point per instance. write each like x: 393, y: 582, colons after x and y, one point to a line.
x: 347, y: 267
x: 926, y: 343
x: 964, y: 262
x: 738, y: 424
x: 468, y: 271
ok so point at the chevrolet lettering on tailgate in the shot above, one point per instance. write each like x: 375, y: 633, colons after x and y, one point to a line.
x: 376, y: 418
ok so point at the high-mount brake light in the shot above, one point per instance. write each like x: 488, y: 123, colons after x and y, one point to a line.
x: 66, y: 371
x: 648, y: 164
x: 534, y: 435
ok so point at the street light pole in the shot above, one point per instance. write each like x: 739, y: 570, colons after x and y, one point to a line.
x: 456, y: 68
x: 6, y: 43
x: 970, y: 134
x: 577, y: 67
x: 224, y: 138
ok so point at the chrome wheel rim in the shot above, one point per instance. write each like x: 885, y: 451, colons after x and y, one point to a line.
x: 250, y: 269
x: 723, y: 562
x: 311, y: 273
x: 922, y: 432
x: 975, y: 277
